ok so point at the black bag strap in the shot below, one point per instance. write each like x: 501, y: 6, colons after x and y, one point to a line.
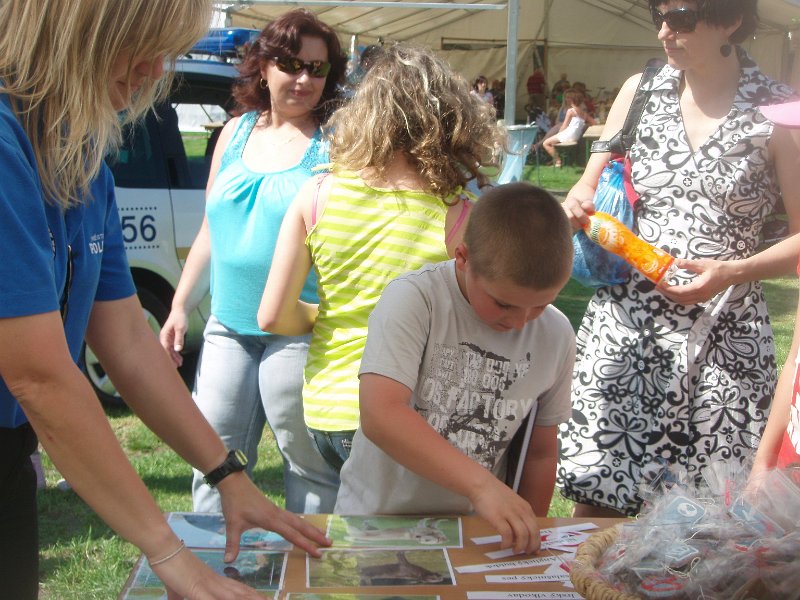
x: 623, y: 140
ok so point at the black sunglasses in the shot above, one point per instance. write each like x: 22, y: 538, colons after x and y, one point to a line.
x: 679, y: 20
x: 293, y: 66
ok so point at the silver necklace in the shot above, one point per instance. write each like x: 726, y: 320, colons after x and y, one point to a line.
x: 288, y: 140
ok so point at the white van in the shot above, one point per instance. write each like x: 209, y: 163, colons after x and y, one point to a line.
x: 161, y: 175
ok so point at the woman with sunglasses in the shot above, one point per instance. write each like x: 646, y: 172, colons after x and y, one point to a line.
x: 682, y: 374
x: 402, y: 149
x: 287, y: 86
x: 64, y: 275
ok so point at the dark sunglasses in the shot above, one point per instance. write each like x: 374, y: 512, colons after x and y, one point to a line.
x: 679, y: 20
x: 294, y: 66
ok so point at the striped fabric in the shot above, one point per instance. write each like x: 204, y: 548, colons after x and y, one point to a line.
x: 364, y: 239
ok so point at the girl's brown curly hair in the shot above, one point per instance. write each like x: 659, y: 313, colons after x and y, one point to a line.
x: 411, y: 101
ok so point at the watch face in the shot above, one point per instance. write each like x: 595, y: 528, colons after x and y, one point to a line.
x: 239, y: 455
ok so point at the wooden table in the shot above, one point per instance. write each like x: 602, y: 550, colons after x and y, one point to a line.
x: 472, y: 526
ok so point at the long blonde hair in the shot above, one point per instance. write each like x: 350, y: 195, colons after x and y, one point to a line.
x: 56, y: 58
x: 411, y: 101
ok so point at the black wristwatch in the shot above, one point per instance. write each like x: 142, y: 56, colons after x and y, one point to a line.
x: 235, y: 462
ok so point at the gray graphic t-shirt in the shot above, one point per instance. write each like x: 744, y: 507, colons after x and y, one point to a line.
x: 472, y: 384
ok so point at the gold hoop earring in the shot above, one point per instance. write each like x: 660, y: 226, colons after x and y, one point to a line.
x: 263, y: 84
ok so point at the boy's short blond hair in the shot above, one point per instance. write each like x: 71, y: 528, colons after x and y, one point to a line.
x: 520, y: 233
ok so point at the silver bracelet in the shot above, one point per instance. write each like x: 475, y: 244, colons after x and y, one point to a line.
x: 153, y: 563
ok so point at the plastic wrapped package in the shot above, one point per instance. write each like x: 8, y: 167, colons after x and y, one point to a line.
x: 728, y: 538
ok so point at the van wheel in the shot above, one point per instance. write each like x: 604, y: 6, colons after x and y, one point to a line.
x: 156, y: 313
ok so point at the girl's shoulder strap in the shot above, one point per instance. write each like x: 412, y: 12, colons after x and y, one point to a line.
x: 466, y: 205
x: 315, y: 201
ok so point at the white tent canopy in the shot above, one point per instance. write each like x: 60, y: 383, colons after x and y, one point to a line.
x: 599, y: 42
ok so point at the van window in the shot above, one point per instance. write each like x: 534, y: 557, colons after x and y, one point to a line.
x: 140, y: 161
x: 171, y: 148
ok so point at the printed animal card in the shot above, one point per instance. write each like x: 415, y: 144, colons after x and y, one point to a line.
x: 387, y: 531
x: 207, y: 530
x: 161, y: 594
x: 305, y: 596
x: 369, y: 568
x: 261, y: 570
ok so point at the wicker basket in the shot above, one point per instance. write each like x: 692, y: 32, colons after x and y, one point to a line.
x: 584, y: 575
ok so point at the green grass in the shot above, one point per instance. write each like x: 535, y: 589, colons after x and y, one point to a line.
x: 782, y: 298
x: 195, y: 143
x: 560, y: 180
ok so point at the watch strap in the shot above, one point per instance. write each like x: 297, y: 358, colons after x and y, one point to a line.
x: 235, y: 461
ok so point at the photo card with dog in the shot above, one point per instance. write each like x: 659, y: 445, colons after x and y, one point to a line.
x: 370, y: 568
x: 392, y: 531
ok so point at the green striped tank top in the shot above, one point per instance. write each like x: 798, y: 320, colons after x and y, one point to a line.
x: 365, y: 238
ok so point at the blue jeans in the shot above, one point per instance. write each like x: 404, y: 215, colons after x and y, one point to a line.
x: 245, y: 381
x: 334, y: 446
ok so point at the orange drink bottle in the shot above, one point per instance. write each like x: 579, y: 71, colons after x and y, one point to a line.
x: 608, y: 232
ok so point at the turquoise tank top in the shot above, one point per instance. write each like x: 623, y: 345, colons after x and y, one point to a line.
x: 245, y: 209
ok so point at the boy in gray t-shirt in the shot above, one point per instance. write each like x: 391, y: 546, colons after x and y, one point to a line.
x: 457, y: 355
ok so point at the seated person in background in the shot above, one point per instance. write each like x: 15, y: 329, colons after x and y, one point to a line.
x: 480, y: 89
x: 587, y: 102
x: 556, y: 115
x: 458, y: 353
x: 571, y: 129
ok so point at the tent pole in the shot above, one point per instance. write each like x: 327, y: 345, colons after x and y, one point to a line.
x: 510, y: 109
x: 786, y: 58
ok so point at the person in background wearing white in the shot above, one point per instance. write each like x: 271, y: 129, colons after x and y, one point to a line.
x: 575, y: 121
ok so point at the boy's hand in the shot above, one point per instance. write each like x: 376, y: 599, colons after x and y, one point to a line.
x: 509, y: 514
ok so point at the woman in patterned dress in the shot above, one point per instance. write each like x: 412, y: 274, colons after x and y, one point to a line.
x: 682, y: 373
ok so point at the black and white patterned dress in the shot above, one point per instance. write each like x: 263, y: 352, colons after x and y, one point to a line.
x: 658, y: 382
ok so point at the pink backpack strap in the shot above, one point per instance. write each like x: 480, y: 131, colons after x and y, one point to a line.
x: 316, y: 200
x: 465, y: 206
